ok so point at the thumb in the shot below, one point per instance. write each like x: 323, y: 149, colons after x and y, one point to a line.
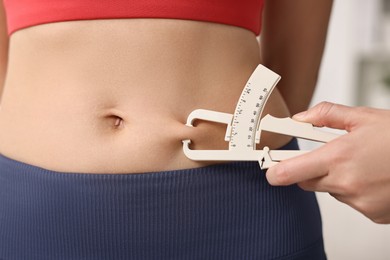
x: 330, y: 115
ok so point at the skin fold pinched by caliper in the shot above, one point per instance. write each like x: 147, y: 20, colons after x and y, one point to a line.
x: 243, y: 128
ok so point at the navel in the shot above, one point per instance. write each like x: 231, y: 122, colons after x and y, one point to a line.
x: 116, y: 121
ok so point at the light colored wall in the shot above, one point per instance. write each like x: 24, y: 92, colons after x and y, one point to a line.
x: 354, y: 30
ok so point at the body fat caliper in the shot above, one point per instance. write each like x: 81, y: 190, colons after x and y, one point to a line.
x: 244, y: 126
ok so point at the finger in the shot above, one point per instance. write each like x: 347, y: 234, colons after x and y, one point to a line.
x: 330, y: 115
x: 317, y: 184
x: 301, y: 168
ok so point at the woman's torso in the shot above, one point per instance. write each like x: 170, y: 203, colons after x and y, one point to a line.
x: 112, y: 96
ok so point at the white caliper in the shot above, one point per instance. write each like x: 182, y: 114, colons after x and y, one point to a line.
x: 244, y: 126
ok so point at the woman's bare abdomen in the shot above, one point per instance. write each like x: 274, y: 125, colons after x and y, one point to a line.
x: 112, y: 96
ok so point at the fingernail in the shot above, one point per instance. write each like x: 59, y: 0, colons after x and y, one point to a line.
x: 300, y: 115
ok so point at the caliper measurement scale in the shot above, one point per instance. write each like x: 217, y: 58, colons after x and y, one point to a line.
x: 244, y: 126
x: 249, y: 109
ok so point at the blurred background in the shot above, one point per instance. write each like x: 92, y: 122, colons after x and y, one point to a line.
x: 355, y: 71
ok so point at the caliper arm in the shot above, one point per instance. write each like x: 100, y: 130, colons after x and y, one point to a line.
x: 265, y: 157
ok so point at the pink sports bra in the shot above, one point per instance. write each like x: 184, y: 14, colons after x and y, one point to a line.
x: 25, y: 13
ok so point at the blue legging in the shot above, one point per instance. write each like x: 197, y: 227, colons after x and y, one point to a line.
x: 223, y: 211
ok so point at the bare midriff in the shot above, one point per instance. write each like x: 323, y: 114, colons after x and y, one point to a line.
x: 113, y: 96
